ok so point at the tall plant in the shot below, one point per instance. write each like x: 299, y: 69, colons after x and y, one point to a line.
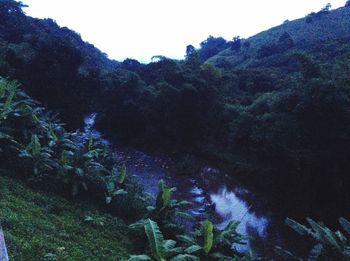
x: 330, y: 245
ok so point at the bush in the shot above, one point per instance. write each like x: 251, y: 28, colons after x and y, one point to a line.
x: 36, y: 147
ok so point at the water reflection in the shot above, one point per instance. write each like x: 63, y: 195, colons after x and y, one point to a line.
x: 230, y: 208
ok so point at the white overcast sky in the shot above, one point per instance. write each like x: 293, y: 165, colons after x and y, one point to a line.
x: 140, y: 29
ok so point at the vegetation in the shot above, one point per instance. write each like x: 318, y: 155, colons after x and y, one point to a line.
x: 71, y: 164
x: 329, y: 245
x: 40, y: 226
x: 66, y: 162
x: 273, y: 109
x: 207, y: 243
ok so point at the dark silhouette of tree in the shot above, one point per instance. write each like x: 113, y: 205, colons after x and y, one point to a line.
x: 190, y: 51
x: 131, y: 65
x: 10, y: 7
x: 192, y: 56
x: 212, y: 46
x: 326, y: 8
x: 236, y: 43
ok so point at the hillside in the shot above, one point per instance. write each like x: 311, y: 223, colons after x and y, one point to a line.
x: 44, y: 226
x: 272, y: 111
x: 320, y: 34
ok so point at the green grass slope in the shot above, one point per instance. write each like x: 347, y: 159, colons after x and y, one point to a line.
x: 47, y: 227
x: 313, y: 34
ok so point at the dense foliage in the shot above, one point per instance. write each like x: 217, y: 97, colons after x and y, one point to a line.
x: 69, y: 163
x: 274, y: 108
x: 36, y: 148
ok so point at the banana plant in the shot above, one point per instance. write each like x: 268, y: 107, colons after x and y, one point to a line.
x: 49, y: 153
x: 8, y: 92
x: 210, y: 243
x: 161, y: 249
x: 114, y: 184
x: 330, y: 245
x: 166, y: 210
x: 164, y: 196
x: 80, y: 160
x: 39, y: 158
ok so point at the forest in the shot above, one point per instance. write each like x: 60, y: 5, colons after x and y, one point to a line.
x: 273, y: 110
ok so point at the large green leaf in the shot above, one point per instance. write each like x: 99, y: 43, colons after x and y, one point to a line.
x: 192, y: 249
x: 139, y: 258
x: 228, y: 234
x: 301, y: 229
x: 207, y: 231
x: 345, y: 224
x: 138, y: 225
x: 34, y: 146
x: 122, y: 175
x: 325, y: 235
x: 169, y: 244
x: 155, y: 239
x: 185, y: 257
x: 164, y: 195
x: 286, y: 255
x: 186, y: 239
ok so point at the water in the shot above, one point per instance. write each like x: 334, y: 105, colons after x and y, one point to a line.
x: 230, y: 207
x: 213, y: 196
x: 90, y: 131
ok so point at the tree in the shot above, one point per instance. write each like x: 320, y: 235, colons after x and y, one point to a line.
x: 190, y: 51
x: 131, y: 65
x: 11, y: 20
x: 192, y: 56
x: 212, y: 46
x: 325, y: 9
x: 347, y: 4
x: 236, y: 43
x: 9, y: 7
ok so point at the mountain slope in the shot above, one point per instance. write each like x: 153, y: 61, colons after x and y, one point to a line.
x: 327, y: 29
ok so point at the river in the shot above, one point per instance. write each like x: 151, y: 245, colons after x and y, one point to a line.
x: 213, y: 195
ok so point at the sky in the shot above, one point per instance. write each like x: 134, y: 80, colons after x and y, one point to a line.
x: 140, y: 29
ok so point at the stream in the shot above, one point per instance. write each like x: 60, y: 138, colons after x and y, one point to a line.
x: 213, y: 195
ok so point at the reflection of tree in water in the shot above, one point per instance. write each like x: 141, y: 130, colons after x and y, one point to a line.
x: 230, y: 207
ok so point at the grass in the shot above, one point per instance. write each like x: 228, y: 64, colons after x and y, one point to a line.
x: 41, y: 226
